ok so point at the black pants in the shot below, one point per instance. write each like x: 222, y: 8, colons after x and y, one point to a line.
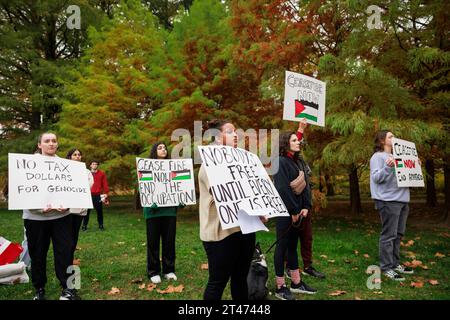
x: 286, y: 246
x: 98, y: 206
x: 229, y: 258
x: 164, y: 229
x: 39, y: 234
x: 76, y: 224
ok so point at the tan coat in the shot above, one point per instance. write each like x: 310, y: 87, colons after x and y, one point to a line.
x: 210, y: 228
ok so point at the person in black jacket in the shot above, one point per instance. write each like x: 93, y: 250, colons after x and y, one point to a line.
x: 298, y: 205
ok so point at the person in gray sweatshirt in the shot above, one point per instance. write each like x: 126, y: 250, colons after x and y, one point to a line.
x: 392, y: 205
x: 45, y: 225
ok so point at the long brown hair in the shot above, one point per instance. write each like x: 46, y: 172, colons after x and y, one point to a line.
x: 380, y: 138
x: 285, y: 145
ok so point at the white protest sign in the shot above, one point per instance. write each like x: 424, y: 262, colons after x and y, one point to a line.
x: 304, y: 97
x: 238, y: 181
x: 167, y: 182
x: 407, y: 167
x: 250, y: 224
x: 36, y: 181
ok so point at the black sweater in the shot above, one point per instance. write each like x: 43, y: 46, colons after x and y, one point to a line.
x: 287, y: 172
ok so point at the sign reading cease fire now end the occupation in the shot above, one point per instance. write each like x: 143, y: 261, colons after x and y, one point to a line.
x: 304, y: 97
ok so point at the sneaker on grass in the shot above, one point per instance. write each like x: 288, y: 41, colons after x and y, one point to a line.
x: 403, y: 270
x: 391, y: 274
x: 284, y: 293
x: 302, y: 287
x: 171, y: 276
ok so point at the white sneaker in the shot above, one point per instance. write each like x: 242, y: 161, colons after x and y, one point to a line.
x: 155, y: 279
x: 391, y: 274
x: 171, y: 276
x: 403, y: 269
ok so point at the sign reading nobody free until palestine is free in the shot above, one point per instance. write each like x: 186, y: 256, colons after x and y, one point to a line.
x: 166, y: 182
x: 407, y: 167
x: 239, y: 182
x: 304, y: 97
x: 36, y: 181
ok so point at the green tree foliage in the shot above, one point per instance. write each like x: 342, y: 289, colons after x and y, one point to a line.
x: 118, y: 86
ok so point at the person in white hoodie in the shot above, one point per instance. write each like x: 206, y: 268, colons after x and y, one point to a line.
x: 78, y: 213
x: 45, y: 225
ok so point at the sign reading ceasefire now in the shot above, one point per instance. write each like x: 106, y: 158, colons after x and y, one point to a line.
x: 407, y: 167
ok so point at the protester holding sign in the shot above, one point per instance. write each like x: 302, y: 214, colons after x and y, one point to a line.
x: 161, y: 227
x: 99, y: 193
x: 305, y: 229
x: 78, y: 213
x: 391, y: 202
x: 229, y: 251
x: 45, y: 225
x: 292, y: 182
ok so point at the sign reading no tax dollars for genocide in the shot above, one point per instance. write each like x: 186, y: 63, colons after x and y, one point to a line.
x: 304, y: 97
x: 407, y: 167
x: 239, y: 182
x: 167, y: 182
x: 36, y: 181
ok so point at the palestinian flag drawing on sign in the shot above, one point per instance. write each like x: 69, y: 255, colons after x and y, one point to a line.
x: 180, y: 175
x: 306, y: 109
x: 399, y: 163
x: 145, y: 176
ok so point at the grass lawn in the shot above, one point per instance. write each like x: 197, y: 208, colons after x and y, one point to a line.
x: 343, y: 248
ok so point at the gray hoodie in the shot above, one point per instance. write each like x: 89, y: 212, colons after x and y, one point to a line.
x: 383, y: 182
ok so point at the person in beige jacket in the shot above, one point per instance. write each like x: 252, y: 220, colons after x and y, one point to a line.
x: 229, y: 251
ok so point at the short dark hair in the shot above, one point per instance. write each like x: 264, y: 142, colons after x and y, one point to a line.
x: 72, y: 151
x: 380, y: 137
x: 97, y: 162
x: 154, y: 150
x: 216, y: 124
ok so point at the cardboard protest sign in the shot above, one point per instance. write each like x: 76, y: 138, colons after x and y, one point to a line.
x: 167, y: 182
x: 304, y: 97
x: 238, y: 181
x: 407, y: 167
x: 36, y: 181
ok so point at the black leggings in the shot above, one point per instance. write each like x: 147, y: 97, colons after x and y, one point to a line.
x: 39, y: 234
x: 76, y: 224
x: 229, y: 258
x: 98, y: 206
x: 287, y: 246
x: 161, y: 229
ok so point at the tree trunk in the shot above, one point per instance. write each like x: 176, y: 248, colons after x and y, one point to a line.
x: 355, y: 197
x: 447, y: 189
x: 137, y: 200
x: 431, y: 189
x: 330, y: 185
x: 35, y: 120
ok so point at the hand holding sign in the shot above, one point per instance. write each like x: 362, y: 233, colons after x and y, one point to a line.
x: 304, y: 98
x: 407, y: 164
x: 302, y: 125
x: 240, y: 184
